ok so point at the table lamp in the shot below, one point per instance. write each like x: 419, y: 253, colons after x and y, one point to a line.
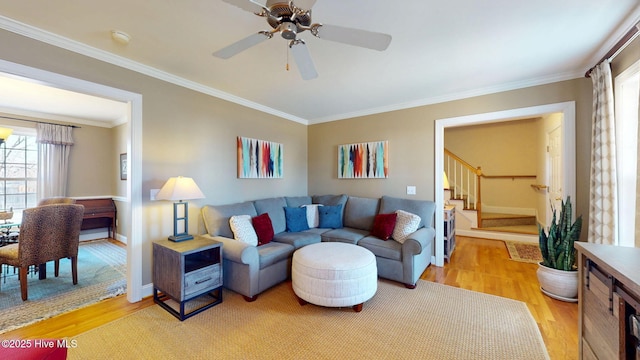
x: 445, y: 181
x: 180, y: 189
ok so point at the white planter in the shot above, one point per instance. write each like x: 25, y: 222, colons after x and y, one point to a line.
x: 558, y: 284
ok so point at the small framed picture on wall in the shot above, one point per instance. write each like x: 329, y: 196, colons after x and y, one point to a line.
x: 123, y: 166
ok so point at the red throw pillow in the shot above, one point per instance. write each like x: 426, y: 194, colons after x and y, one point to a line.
x: 264, y: 228
x: 383, y: 225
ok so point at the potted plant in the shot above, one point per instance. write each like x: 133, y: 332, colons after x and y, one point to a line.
x: 557, y: 273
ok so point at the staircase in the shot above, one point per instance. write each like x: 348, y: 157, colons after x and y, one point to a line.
x: 523, y: 224
x: 464, y: 193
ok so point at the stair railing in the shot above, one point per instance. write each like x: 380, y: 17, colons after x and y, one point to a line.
x: 465, y: 180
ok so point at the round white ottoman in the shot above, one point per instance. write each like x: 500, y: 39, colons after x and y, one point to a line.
x: 334, y: 274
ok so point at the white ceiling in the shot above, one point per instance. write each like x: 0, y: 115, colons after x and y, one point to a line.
x: 440, y: 51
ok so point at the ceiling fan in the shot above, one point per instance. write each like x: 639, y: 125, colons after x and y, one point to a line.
x: 289, y: 20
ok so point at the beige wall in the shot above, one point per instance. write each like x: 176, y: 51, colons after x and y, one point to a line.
x: 183, y: 133
x: 120, y: 136
x: 90, y: 172
x: 192, y: 134
x: 501, y: 149
x: 411, y: 141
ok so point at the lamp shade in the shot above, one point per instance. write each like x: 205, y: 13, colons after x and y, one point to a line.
x: 5, y: 133
x: 180, y: 188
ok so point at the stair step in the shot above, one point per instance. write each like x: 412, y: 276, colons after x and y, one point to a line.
x: 516, y: 229
x: 498, y: 220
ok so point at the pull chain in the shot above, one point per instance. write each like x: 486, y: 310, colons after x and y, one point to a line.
x: 287, y: 67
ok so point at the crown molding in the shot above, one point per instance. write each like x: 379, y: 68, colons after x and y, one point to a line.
x: 83, y: 49
x: 454, y: 96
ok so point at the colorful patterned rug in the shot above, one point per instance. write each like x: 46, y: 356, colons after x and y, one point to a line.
x: 101, y: 274
x: 524, y: 252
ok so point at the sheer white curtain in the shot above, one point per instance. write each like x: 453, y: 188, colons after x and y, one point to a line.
x: 603, y: 198
x: 54, y: 146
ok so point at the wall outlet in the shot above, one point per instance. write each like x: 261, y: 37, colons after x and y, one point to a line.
x: 153, y: 193
x: 411, y: 190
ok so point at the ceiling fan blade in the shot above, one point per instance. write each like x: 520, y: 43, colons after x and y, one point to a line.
x: 242, y: 45
x: 247, y: 5
x: 304, y: 4
x: 303, y: 60
x: 357, y: 37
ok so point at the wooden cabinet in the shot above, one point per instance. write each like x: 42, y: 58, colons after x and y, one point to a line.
x: 184, y: 271
x: 99, y: 213
x: 609, y: 301
x: 449, y: 231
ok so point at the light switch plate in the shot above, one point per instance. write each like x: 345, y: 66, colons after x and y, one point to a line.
x: 411, y: 190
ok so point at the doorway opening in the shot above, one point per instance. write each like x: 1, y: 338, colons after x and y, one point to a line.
x: 134, y: 151
x: 567, y: 109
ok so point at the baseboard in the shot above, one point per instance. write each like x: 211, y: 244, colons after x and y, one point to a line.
x: 147, y: 290
x: 93, y: 234
x: 121, y: 238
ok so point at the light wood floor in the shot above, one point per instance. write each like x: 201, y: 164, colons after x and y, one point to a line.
x: 477, y: 264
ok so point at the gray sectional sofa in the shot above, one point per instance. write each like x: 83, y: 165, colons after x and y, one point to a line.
x: 250, y: 270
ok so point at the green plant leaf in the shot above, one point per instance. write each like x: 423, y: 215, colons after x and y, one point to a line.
x: 557, y: 247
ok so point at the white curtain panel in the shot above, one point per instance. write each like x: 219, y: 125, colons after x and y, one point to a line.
x: 54, y: 146
x: 603, y: 200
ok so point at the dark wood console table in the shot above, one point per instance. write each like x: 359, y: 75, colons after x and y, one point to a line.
x: 99, y: 213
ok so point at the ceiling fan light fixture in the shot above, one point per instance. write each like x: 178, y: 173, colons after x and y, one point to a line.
x: 288, y: 30
x: 289, y: 20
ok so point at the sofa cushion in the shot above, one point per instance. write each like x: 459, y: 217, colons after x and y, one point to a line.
x: 359, y: 212
x: 380, y: 248
x: 275, y: 208
x: 383, y: 225
x: 242, y: 229
x: 296, y: 218
x: 330, y: 216
x: 313, y: 218
x: 216, y: 217
x: 346, y: 235
x: 273, y: 253
x: 423, y: 208
x: 297, y: 201
x: 406, y: 224
x: 263, y: 227
x: 331, y: 200
x: 298, y: 239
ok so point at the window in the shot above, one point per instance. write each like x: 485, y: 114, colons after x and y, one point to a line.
x: 18, y: 173
x: 627, y: 90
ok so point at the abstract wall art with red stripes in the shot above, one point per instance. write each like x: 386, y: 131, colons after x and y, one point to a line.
x: 363, y: 160
x: 259, y: 159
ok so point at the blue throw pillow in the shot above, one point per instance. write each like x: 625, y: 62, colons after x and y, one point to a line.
x: 330, y: 216
x: 296, y: 219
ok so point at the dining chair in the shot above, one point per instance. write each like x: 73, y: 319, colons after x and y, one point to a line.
x: 47, y: 233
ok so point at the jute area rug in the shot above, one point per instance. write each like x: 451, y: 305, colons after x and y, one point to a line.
x: 523, y: 252
x: 101, y: 274
x: 433, y: 321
